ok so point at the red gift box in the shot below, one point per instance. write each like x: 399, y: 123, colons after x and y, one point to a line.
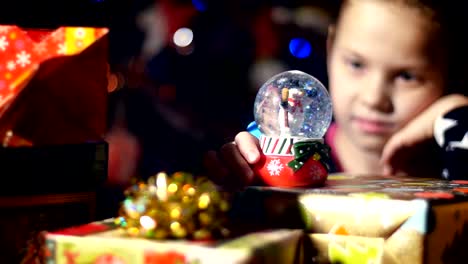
x: 53, y: 85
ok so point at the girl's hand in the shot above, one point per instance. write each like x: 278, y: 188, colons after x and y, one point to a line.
x: 230, y: 166
x: 124, y: 155
x: 405, y: 146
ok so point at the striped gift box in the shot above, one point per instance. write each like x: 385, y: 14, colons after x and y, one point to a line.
x: 280, y: 145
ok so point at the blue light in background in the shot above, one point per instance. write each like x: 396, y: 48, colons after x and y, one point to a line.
x: 300, y: 48
x: 200, y: 5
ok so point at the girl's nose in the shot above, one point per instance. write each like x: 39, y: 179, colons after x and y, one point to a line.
x: 377, y: 94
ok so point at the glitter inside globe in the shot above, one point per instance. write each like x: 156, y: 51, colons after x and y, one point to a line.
x: 295, y: 104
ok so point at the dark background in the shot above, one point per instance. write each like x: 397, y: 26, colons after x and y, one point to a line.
x: 212, y: 88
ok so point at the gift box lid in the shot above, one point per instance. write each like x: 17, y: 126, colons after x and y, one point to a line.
x: 284, y: 207
x: 388, y: 187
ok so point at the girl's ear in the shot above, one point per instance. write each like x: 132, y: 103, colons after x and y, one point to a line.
x: 330, y: 42
x: 330, y: 37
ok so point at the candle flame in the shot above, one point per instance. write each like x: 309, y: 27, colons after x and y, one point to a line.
x: 161, y: 184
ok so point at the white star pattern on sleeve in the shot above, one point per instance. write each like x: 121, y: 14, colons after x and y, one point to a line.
x: 463, y: 144
x: 440, y: 126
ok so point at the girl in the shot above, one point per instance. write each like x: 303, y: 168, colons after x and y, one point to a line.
x: 390, y: 64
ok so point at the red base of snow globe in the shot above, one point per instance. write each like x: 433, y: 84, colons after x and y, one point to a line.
x: 275, y: 167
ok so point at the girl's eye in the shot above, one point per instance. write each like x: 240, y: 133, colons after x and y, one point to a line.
x: 407, y: 76
x: 355, y: 64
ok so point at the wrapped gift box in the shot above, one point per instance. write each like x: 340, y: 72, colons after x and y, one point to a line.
x: 53, y: 109
x: 371, y: 219
x: 100, y: 242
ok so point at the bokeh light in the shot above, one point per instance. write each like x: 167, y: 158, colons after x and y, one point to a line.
x: 147, y: 222
x: 200, y: 5
x: 183, y: 37
x: 300, y: 48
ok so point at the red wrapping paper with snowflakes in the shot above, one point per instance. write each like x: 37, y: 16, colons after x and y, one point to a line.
x: 53, y: 85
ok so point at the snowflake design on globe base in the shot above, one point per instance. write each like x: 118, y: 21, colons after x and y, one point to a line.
x: 277, y: 163
x: 293, y: 111
x: 275, y: 167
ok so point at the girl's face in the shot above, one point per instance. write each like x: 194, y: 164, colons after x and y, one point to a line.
x: 385, y: 67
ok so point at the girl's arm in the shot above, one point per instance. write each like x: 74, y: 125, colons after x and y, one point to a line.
x: 445, y: 122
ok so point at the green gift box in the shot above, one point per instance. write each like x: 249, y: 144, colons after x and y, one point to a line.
x: 370, y: 219
x: 388, y: 220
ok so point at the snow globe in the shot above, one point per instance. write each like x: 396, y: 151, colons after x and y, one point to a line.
x: 293, y: 111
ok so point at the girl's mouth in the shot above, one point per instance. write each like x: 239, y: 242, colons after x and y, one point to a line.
x: 371, y: 126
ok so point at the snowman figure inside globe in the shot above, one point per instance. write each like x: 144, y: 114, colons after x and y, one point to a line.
x: 293, y: 112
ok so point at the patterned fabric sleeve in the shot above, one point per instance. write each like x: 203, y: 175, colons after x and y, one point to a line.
x: 253, y: 129
x: 451, y: 134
